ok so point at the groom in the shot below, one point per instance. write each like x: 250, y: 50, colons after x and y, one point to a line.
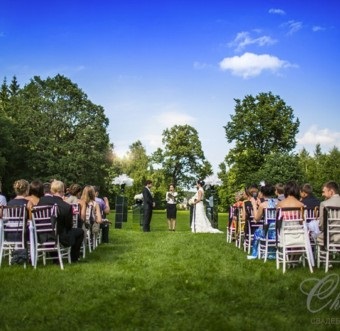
x: 149, y: 204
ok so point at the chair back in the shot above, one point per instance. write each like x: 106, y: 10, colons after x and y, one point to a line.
x: 13, y: 224
x: 331, y: 226
x: 311, y: 214
x: 76, y: 215
x: 44, y: 222
x: 269, y: 218
x: 289, y: 222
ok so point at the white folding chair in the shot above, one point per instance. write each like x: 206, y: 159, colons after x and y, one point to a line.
x: 268, y: 242
x: 13, y: 231
x: 250, y: 227
x: 312, y: 223
x: 328, y: 251
x: 292, y: 239
x: 240, y: 223
x: 46, y: 239
x: 231, y: 224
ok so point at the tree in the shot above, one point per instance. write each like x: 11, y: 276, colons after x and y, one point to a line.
x: 182, y: 159
x: 260, y: 126
x: 279, y: 168
x: 14, y: 87
x: 136, y: 166
x: 61, y: 134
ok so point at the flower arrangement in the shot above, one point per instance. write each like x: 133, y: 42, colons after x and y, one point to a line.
x: 212, y: 181
x: 123, y: 180
x: 138, y: 196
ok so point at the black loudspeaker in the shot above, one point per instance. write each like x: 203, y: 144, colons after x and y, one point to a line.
x: 121, y: 211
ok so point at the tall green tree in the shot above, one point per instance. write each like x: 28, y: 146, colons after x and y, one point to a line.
x: 136, y: 165
x: 62, y: 134
x: 260, y: 126
x: 182, y: 158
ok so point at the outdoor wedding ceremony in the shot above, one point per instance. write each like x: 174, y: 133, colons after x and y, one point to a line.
x: 169, y: 165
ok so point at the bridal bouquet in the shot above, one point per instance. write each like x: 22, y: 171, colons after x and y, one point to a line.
x: 191, y: 201
x: 123, y: 180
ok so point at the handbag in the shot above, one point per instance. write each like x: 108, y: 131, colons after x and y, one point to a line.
x: 95, y: 228
x: 19, y: 256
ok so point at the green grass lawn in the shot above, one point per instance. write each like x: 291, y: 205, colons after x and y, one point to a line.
x: 165, y: 281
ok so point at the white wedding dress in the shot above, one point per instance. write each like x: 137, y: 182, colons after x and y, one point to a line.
x: 200, y: 222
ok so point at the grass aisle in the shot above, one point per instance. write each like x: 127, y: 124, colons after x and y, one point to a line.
x: 160, y: 281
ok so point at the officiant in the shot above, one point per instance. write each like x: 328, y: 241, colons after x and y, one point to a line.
x: 171, y: 207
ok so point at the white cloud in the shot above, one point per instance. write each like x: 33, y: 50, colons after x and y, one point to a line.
x: 244, y: 39
x: 315, y: 135
x: 317, y: 28
x: 251, y: 65
x: 276, y: 11
x: 293, y: 26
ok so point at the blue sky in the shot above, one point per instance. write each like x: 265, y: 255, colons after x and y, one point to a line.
x: 154, y: 64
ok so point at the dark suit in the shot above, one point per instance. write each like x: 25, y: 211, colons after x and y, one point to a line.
x: 310, y: 202
x: 74, y: 237
x: 148, y: 206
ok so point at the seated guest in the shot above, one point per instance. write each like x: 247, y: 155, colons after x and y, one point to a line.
x: 292, y: 200
x: 68, y: 236
x: 311, y: 205
x: 267, y: 194
x: 279, y: 191
x: 330, y: 191
x: 21, y: 189
x: 307, y: 197
x: 74, y: 193
x: 36, y: 191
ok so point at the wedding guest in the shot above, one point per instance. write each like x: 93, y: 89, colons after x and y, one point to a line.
x: 292, y: 196
x: 149, y: 204
x: 21, y: 189
x: 47, y: 189
x: 307, y: 197
x: 36, y: 191
x: 74, y: 193
x: 279, y: 191
x: 89, y: 207
x: 330, y: 191
x: 267, y: 193
x: 292, y: 200
x: 171, y: 209
x: 68, y: 236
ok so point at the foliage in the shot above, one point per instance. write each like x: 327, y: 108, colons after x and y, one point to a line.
x: 279, y: 168
x: 320, y: 168
x: 182, y: 159
x: 260, y: 126
x: 60, y: 133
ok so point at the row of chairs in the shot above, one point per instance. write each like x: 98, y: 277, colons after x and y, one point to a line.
x: 37, y: 238
x: 295, y: 240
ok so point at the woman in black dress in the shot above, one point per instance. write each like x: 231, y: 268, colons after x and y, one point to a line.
x: 171, y: 209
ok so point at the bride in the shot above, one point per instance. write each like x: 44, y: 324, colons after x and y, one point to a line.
x: 200, y: 221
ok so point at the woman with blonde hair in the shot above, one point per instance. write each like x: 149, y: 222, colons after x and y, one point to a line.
x: 21, y: 189
x: 90, y: 210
